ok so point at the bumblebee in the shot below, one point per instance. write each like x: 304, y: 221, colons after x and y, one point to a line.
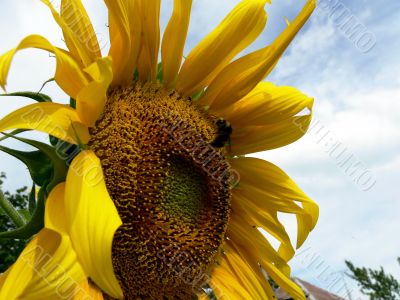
x: 223, y: 134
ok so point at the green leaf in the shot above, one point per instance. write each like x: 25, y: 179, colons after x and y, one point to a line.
x: 39, y: 165
x: 35, y: 224
x: 39, y: 97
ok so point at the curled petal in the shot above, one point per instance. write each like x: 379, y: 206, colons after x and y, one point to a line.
x: 69, y: 75
x: 273, y: 190
x: 55, y: 119
x: 92, y: 98
x: 92, y: 220
x: 48, y: 268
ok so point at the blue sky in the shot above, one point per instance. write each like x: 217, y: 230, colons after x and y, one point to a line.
x: 357, y: 104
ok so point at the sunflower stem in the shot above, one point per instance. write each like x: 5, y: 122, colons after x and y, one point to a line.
x: 10, y: 211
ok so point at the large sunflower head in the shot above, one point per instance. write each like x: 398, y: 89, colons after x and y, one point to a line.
x: 158, y: 200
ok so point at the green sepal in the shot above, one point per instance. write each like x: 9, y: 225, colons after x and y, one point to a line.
x: 57, y: 162
x: 32, y: 199
x: 12, y: 133
x: 38, y: 164
x: 72, y: 102
x: 39, y: 97
x: 136, y: 74
x: 160, y: 73
x: 35, y: 224
x: 24, y: 213
x: 198, y: 95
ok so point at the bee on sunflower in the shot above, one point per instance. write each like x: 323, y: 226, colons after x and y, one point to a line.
x: 157, y: 200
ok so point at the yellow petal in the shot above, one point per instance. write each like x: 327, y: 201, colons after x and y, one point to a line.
x: 253, y: 245
x: 123, y: 55
x: 55, y: 218
x: 92, y: 98
x: 267, y: 104
x: 238, y: 30
x: 56, y: 119
x: 284, y: 282
x: 251, y: 139
x: 93, y: 220
x: 78, y: 31
x: 174, y: 41
x: 252, y: 215
x: 47, y: 269
x: 135, y: 27
x: 69, y: 75
x: 271, y: 189
x: 238, y: 78
x: 234, y: 279
x: 87, y: 291
x: 148, y: 57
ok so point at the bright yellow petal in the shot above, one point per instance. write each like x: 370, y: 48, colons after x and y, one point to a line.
x: 55, y: 217
x: 87, y: 291
x: 271, y: 189
x: 174, y: 41
x: 234, y: 279
x: 252, y: 139
x: 238, y: 30
x: 56, y: 119
x: 92, y: 98
x: 121, y: 42
x: 93, y: 220
x: 284, y: 282
x: 78, y: 30
x: 69, y: 75
x: 148, y: 57
x: 267, y: 104
x: 255, y: 247
x: 240, y: 77
x: 135, y: 27
x: 252, y: 215
x: 47, y: 269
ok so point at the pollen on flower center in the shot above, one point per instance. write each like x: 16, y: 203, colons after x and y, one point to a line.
x: 171, y: 189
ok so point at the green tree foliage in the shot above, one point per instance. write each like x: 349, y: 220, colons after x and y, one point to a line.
x: 11, y: 248
x: 375, y: 283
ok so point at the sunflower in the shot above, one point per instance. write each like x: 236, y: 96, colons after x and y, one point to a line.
x: 160, y: 201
